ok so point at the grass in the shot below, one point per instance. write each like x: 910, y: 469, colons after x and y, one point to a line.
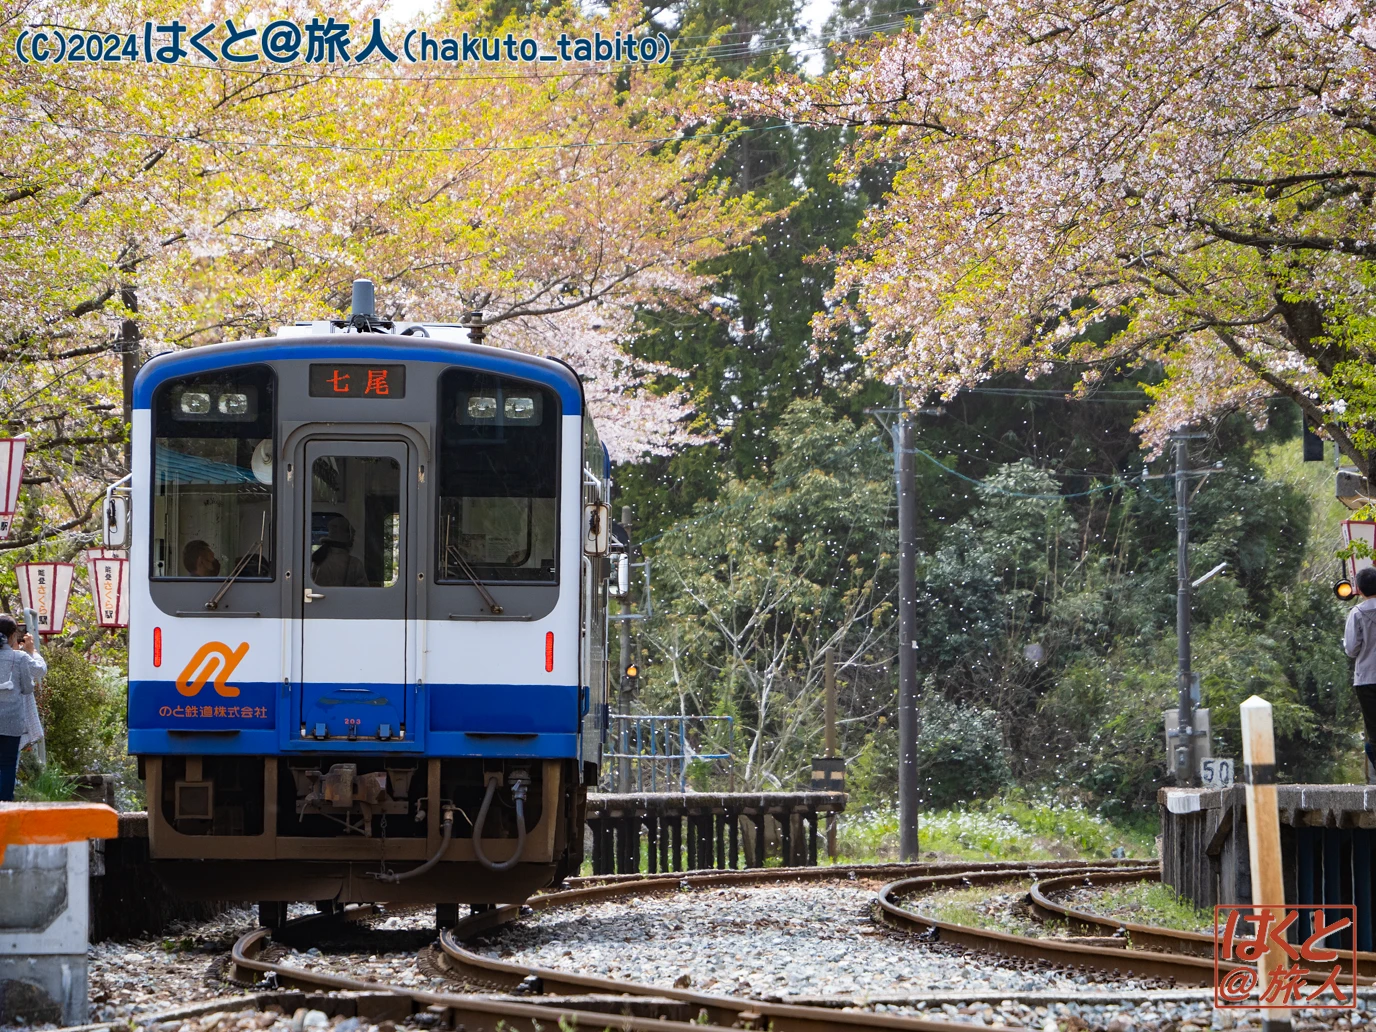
x: 991, y: 907
x: 50, y: 785
x: 1148, y: 903
x: 1009, y: 827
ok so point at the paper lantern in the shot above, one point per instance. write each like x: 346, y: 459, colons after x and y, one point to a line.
x: 1358, y: 530
x: 109, y: 572
x: 46, y: 588
x: 11, y: 478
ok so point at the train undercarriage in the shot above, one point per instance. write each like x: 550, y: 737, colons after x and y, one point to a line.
x: 342, y: 828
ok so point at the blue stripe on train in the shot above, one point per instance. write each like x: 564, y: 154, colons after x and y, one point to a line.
x: 504, y: 708
x: 518, y: 720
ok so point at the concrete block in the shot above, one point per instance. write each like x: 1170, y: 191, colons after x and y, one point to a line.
x: 44, y: 912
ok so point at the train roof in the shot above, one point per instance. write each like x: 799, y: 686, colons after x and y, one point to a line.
x: 365, y: 346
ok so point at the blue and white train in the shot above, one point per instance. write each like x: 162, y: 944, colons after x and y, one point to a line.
x: 369, y: 615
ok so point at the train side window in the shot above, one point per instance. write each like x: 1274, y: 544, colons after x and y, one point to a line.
x: 498, y: 479
x: 213, y: 476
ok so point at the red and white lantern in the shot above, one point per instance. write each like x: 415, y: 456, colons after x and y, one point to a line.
x: 1358, y: 530
x: 109, y: 572
x: 11, y: 477
x: 46, y: 588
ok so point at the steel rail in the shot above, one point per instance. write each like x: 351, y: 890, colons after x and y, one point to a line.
x: 481, y: 1012
x: 473, y: 1012
x: 1119, y: 960
x: 474, y: 968
x: 1199, y: 944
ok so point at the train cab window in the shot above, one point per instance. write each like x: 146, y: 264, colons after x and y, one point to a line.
x: 498, y: 476
x: 213, y: 476
x: 355, y: 521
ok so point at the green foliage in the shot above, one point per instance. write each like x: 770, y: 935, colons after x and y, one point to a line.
x: 1007, y: 827
x: 82, y: 707
x: 50, y: 785
x: 959, y: 752
x: 754, y: 588
x: 1149, y: 903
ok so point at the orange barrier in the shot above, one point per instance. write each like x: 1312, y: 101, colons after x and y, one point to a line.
x: 47, y: 824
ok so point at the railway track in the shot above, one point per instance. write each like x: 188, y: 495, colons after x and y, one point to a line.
x: 585, y: 1000
x: 590, y: 1001
x: 1149, y: 937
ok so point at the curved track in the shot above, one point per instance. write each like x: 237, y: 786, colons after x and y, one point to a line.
x: 1149, y: 937
x: 590, y: 1001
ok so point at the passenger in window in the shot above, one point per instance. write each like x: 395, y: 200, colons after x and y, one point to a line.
x: 333, y: 564
x: 199, y: 559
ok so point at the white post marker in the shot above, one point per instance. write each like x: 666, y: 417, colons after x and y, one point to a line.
x: 1263, y: 839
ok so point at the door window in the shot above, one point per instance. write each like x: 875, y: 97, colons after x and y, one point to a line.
x: 355, y: 522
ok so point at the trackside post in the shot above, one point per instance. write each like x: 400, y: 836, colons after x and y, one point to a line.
x: 1263, y: 839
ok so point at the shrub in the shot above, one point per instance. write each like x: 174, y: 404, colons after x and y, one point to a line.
x: 959, y: 753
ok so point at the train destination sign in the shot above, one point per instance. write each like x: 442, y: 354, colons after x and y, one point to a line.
x: 349, y: 380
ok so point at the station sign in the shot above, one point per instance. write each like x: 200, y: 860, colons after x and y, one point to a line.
x: 828, y: 774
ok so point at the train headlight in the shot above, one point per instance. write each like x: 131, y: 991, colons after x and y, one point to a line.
x: 482, y: 406
x: 1344, y: 589
x: 234, y: 404
x: 520, y: 406
x: 195, y: 403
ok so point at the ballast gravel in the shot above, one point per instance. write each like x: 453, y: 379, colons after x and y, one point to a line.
x: 776, y: 942
x: 788, y: 942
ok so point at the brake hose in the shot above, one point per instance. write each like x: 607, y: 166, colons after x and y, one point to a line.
x: 446, y: 833
x: 518, y: 793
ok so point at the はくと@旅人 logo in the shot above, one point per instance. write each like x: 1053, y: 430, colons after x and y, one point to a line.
x: 214, y: 661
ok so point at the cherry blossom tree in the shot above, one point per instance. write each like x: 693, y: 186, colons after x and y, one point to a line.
x: 153, y: 207
x: 1111, y: 183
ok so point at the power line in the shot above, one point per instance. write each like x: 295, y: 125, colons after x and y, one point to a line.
x: 1119, y: 397
x: 986, y: 486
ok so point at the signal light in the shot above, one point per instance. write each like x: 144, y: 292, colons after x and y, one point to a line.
x: 632, y: 670
x: 1344, y: 589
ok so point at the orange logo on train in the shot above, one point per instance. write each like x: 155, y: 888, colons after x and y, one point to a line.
x: 213, y: 660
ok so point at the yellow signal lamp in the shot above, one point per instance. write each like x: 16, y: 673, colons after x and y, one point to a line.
x: 1344, y: 589
x: 632, y: 670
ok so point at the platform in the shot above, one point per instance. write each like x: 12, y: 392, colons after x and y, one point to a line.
x: 713, y: 827
x: 1328, y: 846
x: 44, y: 917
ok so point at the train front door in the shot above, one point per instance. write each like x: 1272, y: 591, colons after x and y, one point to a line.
x: 356, y: 567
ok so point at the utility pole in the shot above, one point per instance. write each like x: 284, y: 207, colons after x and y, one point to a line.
x: 830, y: 722
x: 623, y: 636
x: 907, y: 626
x: 904, y: 474
x: 1184, y: 748
x: 129, y: 337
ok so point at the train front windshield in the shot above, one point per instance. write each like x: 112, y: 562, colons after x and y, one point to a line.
x: 212, y: 475
x: 499, y: 462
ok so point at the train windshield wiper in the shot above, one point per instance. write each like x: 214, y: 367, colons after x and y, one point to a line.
x: 239, y: 567
x: 468, y: 572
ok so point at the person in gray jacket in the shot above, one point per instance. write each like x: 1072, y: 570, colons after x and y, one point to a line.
x: 1359, y: 641
x: 21, y: 668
